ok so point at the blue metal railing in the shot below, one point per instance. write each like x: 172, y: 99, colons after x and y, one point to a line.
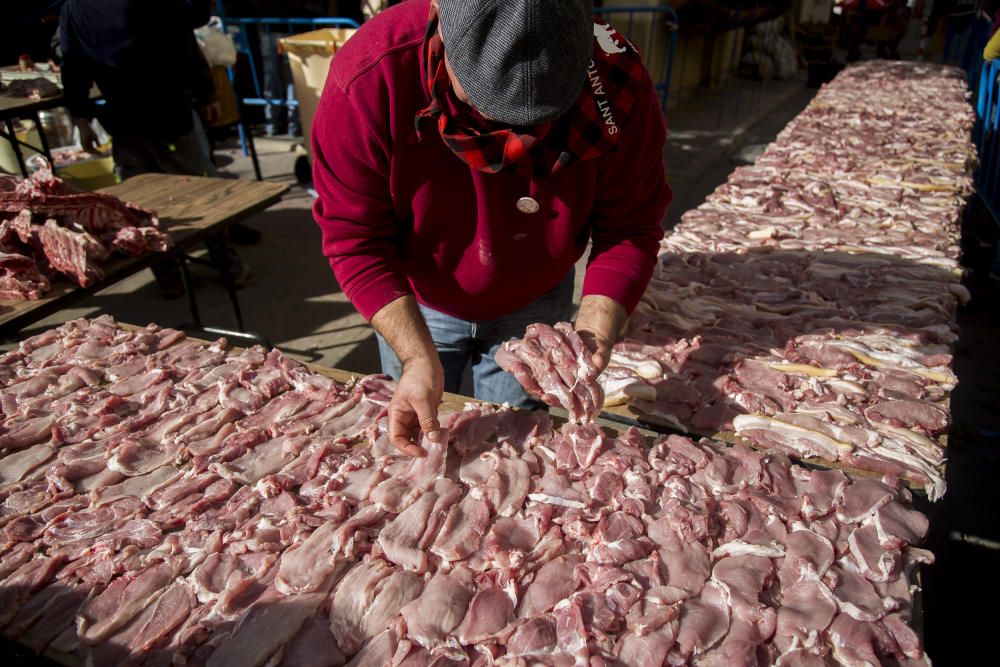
x: 987, y: 136
x: 274, y: 64
x: 263, y: 54
x: 623, y: 19
x: 266, y: 29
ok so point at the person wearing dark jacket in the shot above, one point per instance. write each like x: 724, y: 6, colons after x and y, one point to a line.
x: 466, y: 154
x: 144, y: 58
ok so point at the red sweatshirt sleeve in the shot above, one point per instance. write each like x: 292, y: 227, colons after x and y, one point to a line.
x: 354, y: 209
x: 631, y: 200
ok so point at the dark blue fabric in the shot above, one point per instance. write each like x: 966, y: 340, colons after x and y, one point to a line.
x: 143, y: 56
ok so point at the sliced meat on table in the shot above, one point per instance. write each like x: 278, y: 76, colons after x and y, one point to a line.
x: 352, y: 599
x: 406, y: 539
x: 432, y: 617
x: 554, y: 365
x: 265, y: 627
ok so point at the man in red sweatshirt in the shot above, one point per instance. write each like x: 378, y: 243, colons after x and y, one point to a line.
x: 466, y: 151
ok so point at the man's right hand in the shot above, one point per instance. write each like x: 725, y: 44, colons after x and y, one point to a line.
x: 212, y: 113
x: 414, y: 406
x: 88, y: 138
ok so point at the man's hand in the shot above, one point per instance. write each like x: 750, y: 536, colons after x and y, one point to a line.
x: 414, y: 406
x: 600, y: 323
x: 212, y: 113
x: 88, y: 138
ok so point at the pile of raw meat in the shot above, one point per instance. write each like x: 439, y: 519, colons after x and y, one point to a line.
x: 809, y: 304
x: 554, y: 365
x: 163, y: 502
x: 50, y: 229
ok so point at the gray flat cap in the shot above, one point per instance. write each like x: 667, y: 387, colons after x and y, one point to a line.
x: 521, y: 62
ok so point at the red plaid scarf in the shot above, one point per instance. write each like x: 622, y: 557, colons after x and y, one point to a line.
x: 588, y: 130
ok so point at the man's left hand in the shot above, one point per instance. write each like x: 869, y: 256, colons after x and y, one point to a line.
x: 212, y: 113
x: 600, y: 322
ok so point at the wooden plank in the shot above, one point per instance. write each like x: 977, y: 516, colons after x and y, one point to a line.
x: 14, y: 107
x: 191, y: 208
x: 452, y: 402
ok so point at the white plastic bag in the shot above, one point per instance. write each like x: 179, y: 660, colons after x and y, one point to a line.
x: 218, y: 47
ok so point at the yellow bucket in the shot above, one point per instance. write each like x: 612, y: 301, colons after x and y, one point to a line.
x: 90, y: 175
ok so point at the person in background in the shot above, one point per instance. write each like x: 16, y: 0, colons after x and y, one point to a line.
x: 895, y: 20
x: 143, y: 56
x: 466, y: 154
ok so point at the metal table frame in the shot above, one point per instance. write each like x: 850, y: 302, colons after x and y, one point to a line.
x: 196, y: 325
x: 30, y: 108
x: 123, y: 268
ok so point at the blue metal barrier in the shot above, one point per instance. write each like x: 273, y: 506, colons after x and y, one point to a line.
x: 271, y: 60
x: 986, y: 135
x: 624, y: 18
x: 266, y: 30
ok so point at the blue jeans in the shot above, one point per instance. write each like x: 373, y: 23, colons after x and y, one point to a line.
x: 460, y: 342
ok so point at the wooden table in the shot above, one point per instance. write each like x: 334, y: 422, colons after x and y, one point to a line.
x: 18, y: 107
x: 22, y: 107
x: 15, y: 107
x: 450, y: 403
x: 191, y: 208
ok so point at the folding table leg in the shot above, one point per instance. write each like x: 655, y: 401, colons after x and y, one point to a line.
x: 252, y: 148
x: 197, y: 326
x: 189, y: 290
x: 44, y: 140
x: 234, y: 299
x: 15, y: 146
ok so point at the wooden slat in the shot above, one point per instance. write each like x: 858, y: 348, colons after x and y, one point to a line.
x: 191, y: 208
x: 456, y: 402
x: 14, y: 107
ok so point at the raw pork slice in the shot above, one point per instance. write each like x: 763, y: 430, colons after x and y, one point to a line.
x: 73, y: 253
x: 554, y: 364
